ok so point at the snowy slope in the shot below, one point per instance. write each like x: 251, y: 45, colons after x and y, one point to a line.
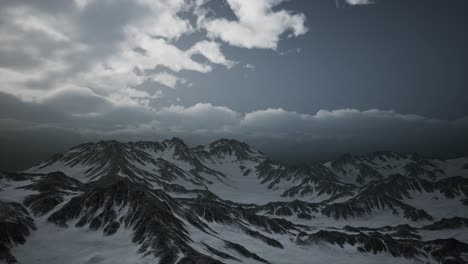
x: 166, y: 202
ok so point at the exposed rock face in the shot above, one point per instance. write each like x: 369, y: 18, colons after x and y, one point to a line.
x: 15, y: 225
x: 448, y: 223
x: 52, y: 189
x: 299, y: 208
x: 110, y: 204
x: 389, y: 193
x: 375, y: 165
x: 443, y: 250
x: 193, y: 205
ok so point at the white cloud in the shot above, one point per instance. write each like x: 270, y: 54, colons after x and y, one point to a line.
x: 373, y: 124
x: 200, y: 117
x: 167, y: 79
x: 359, y: 2
x: 257, y: 25
x: 106, y: 62
x: 94, y: 70
x: 211, y: 50
x: 26, y: 20
x: 333, y: 131
x: 164, y: 20
x: 131, y: 97
x: 339, y: 130
x: 249, y: 66
x: 37, y: 45
x: 82, y: 4
x: 117, y: 74
x: 76, y: 100
x: 63, y: 49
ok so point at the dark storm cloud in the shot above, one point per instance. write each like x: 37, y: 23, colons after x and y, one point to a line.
x: 13, y: 108
x: 280, y: 133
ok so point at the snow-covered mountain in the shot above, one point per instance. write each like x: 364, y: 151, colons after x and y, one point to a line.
x: 166, y: 202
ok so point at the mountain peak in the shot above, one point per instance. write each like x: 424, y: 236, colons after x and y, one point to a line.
x: 228, y: 142
x: 175, y: 143
x: 230, y: 147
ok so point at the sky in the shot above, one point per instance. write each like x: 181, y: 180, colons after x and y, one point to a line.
x: 300, y: 80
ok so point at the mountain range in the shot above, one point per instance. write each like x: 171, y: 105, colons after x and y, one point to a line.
x: 226, y: 202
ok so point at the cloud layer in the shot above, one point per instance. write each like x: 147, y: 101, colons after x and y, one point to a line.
x: 100, y: 69
x: 108, y: 50
x: 323, y: 134
x: 257, y: 26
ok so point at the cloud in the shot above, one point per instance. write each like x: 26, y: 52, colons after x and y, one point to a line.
x: 167, y: 79
x: 199, y: 117
x: 359, y: 2
x: 289, y: 51
x: 373, y: 127
x: 148, y: 43
x: 25, y: 20
x: 283, y: 133
x: 341, y: 124
x: 324, y: 134
x: 91, y: 66
x: 210, y: 50
x: 249, y: 66
x: 164, y: 20
x: 13, y: 109
x: 76, y: 100
x: 257, y: 25
x: 109, y: 48
x: 93, y: 114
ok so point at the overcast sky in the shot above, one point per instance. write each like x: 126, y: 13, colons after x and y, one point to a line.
x: 299, y: 79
